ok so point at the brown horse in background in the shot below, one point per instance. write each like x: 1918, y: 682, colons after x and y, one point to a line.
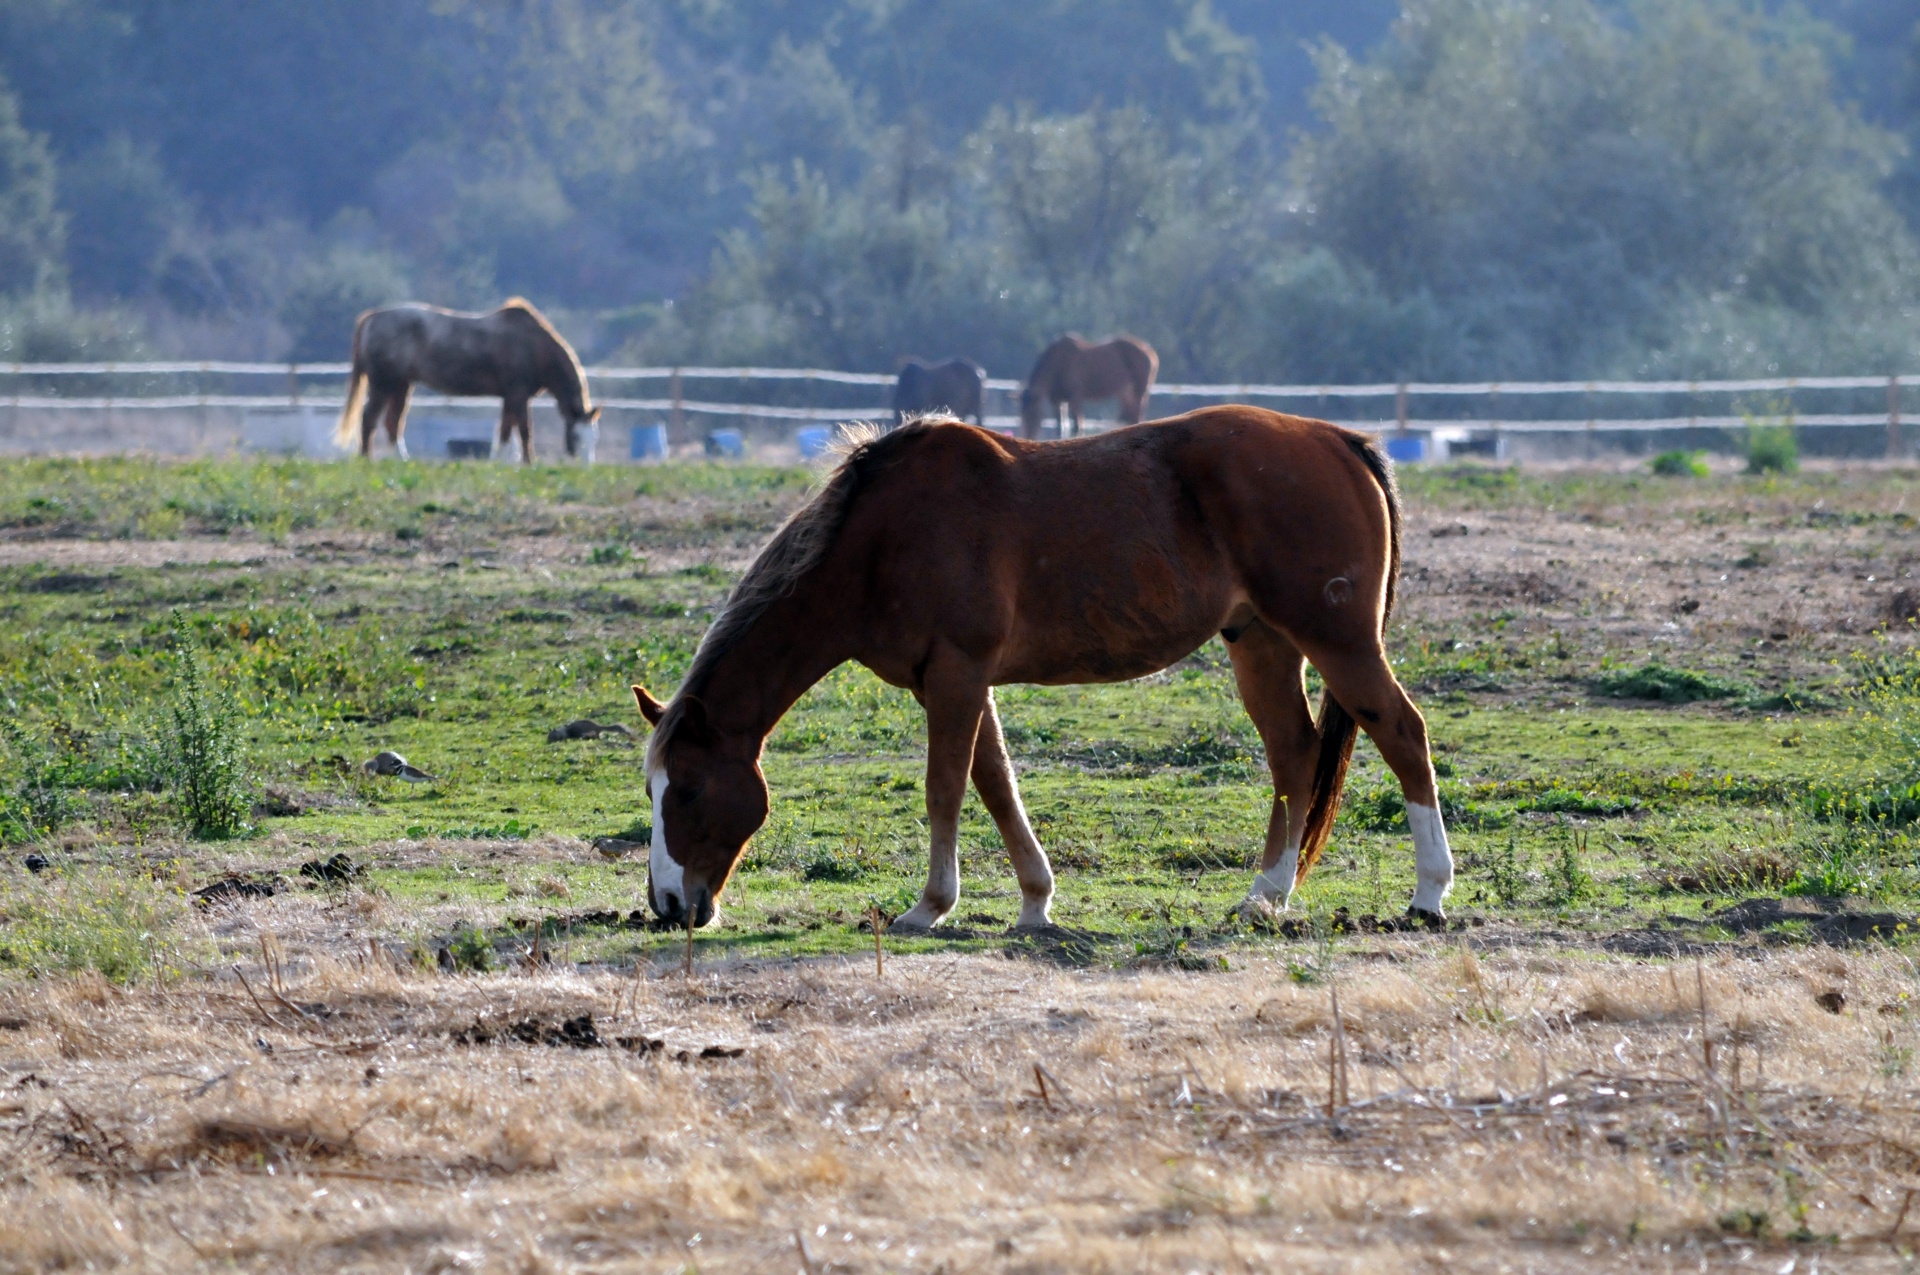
x: 513, y: 353
x: 1072, y: 371
x: 950, y: 560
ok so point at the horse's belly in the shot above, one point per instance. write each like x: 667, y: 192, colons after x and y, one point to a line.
x: 1094, y: 638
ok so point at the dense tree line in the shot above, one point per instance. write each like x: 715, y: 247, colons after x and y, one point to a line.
x: 1324, y: 189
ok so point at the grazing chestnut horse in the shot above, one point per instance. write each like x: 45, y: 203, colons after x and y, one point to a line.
x: 1072, y: 372
x: 949, y: 559
x: 513, y: 352
x: 958, y: 386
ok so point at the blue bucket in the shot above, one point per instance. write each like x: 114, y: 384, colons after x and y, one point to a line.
x: 813, y: 441
x: 727, y: 443
x: 649, y: 443
x: 1407, y: 449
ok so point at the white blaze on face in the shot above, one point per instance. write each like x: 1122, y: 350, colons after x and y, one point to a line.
x: 1432, y: 861
x: 665, y: 872
x: 1275, y: 885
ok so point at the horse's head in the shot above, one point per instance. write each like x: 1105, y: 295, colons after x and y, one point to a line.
x: 1032, y: 400
x: 709, y: 798
x: 589, y: 418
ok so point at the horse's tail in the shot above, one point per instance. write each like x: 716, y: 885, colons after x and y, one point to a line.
x: 356, y: 389
x: 1336, y: 726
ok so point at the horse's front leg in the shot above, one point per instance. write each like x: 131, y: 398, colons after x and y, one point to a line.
x: 993, y: 779
x: 955, y: 696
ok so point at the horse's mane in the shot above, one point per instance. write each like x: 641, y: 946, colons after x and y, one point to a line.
x: 526, y: 308
x: 795, y: 549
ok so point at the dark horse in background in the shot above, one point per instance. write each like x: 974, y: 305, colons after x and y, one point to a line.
x: 957, y: 387
x: 1072, y: 371
x: 513, y: 353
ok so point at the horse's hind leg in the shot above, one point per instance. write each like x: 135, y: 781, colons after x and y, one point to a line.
x: 514, y: 411
x: 1271, y: 675
x: 955, y: 695
x: 1358, y: 678
x: 397, y: 420
x: 993, y: 779
x: 376, y: 407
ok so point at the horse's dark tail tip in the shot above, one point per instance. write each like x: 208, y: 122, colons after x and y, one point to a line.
x: 1337, y: 731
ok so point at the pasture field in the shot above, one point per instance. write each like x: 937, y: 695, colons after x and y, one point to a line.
x: 398, y: 1025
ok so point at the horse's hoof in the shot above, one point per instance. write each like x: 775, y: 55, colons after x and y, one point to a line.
x: 916, y: 920
x: 1431, y: 918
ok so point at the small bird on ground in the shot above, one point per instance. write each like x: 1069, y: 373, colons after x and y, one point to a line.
x: 36, y: 863
x: 587, y: 728
x: 394, y: 765
x: 615, y: 847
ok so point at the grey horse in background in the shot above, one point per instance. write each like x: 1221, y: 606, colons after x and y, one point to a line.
x: 957, y: 386
x: 512, y: 353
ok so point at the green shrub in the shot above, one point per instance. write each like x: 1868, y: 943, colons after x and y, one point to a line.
x: 1507, y: 873
x: 199, y: 747
x: 1679, y: 464
x: 42, y: 786
x: 118, y: 921
x: 1655, y: 680
x: 824, y: 865
x: 1770, y: 446
x: 1571, y: 880
x: 470, y: 950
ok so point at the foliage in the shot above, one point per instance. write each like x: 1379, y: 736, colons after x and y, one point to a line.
x: 470, y: 950
x: 1488, y: 187
x: 118, y: 920
x: 32, y: 231
x: 1770, y: 447
x: 200, y: 749
x: 1675, y: 157
x: 42, y: 785
x: 1655, y: 680
x: 1507, y: 873
x: 1679, y: 464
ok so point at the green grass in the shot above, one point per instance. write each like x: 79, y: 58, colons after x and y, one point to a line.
x: 1150, y: 796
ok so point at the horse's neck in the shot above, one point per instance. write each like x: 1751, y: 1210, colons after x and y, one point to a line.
x: 787, y: 649
x: 568, y: 383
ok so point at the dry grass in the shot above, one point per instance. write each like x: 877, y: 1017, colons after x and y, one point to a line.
x: 963, y: 1114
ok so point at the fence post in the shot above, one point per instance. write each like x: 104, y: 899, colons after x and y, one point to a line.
x: 673, y: 392
x: 293, y: 385
x: 1893, y: 418
x: 1400, y: 406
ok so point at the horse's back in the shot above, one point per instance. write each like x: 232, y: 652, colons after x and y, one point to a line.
x: 1112, y: 556
x: 450, y: 351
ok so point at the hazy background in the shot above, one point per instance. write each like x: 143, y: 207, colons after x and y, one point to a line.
x: 1315, y: 189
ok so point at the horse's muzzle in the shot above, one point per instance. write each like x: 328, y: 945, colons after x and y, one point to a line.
x: 672, y: 909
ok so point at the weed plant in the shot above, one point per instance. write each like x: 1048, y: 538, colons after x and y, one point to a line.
x: 200, y: 746
x: 1769, y: 444
x: 1679, y: 464
x: 43, y: 784
x: 1572, y: 881
x: 1507, y: 873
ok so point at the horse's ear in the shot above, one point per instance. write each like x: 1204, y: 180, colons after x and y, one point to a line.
x: 650, y: 708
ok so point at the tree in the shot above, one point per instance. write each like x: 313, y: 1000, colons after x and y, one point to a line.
x: 1562, y: 177
x: 32, y: 231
